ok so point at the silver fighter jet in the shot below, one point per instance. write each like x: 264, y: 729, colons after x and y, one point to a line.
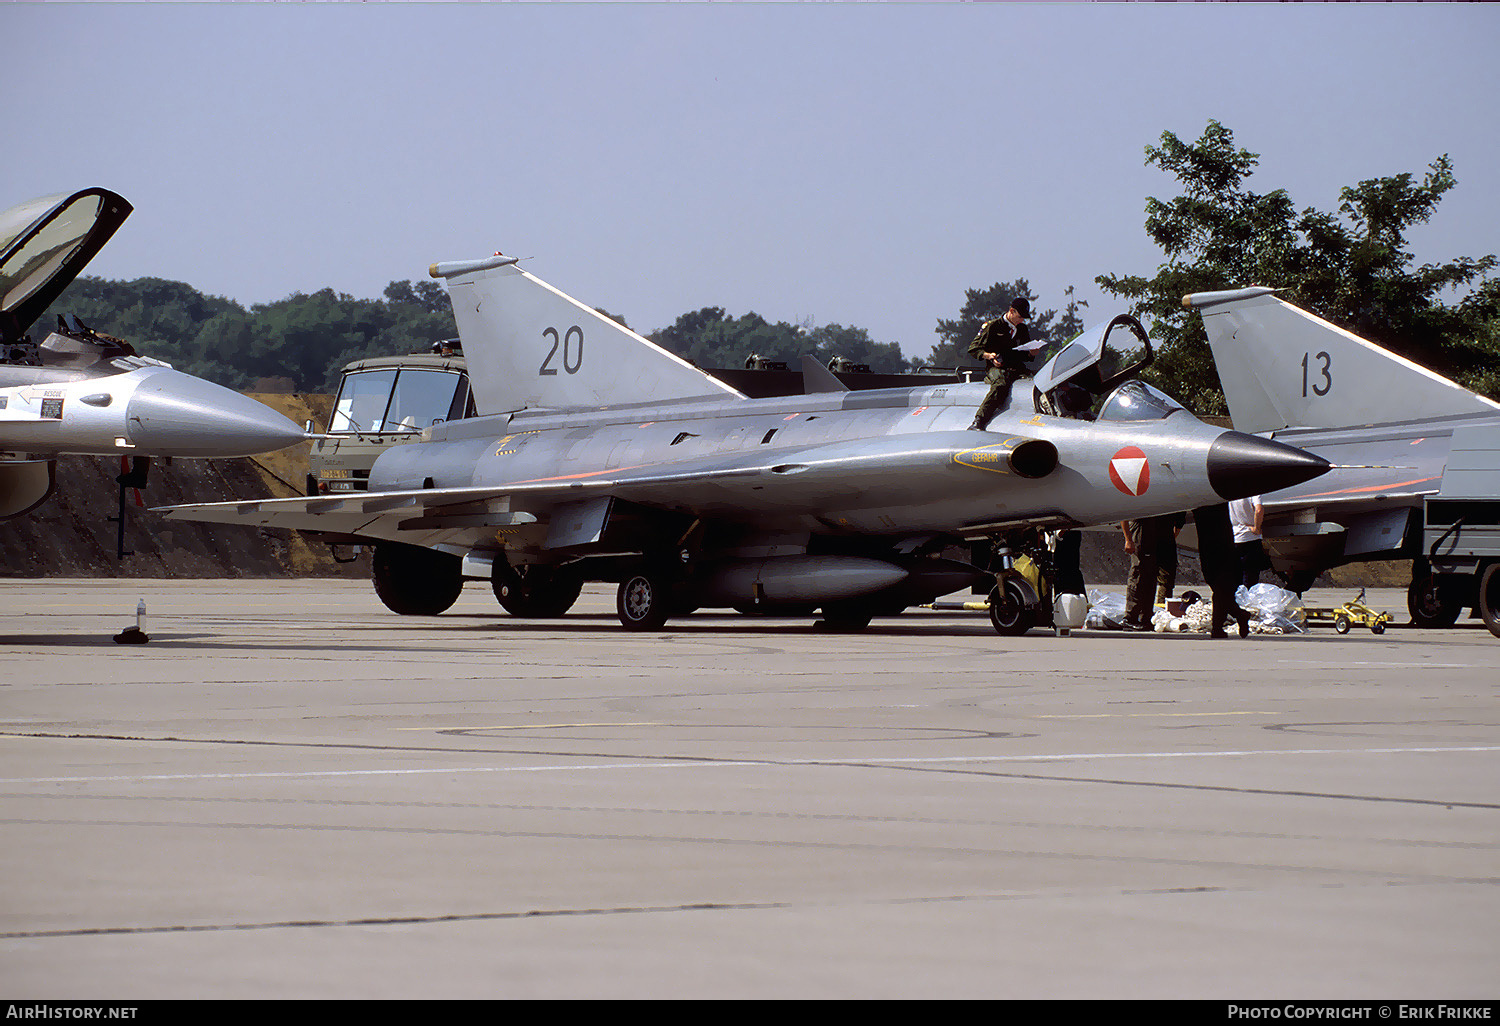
x: 1389, y: 426
x: 600, y: 457
x: 79, y: 391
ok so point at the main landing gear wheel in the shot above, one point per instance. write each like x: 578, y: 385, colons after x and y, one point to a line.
x: 1013, y: 607
x: 536, y: 591
x: 643, y: 602
x: 1430, y: 602
x: 1489, y: 598
x: 846, y: 616
x: 414, y: 581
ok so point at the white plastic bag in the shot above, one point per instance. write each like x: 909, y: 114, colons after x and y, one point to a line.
x: 1275, y: 610
x: 1106, y: 611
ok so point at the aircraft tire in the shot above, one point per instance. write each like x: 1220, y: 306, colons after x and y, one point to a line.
x: 1489, y: 597
x: 1013, y: 607
x: 415, y: 581
x: 1296, y: 580
x: 793, y: 609
x: 846, y: 616
x: 542, y: 593
x: 1432, y: 604
x: 643, y: 602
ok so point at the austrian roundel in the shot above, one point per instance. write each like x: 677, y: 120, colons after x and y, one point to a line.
x: 1130, y: 471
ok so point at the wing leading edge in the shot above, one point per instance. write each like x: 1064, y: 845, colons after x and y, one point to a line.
x: 804, y: 481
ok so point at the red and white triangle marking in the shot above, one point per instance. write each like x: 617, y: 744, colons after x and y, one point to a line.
x: 1130, y: 471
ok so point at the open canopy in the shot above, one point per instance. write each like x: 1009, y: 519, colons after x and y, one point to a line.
x: 44, y: 244
x: 1099, y: 359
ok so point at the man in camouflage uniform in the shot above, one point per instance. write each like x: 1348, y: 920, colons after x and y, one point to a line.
x: 1144, y: 540
x: 996, y: 345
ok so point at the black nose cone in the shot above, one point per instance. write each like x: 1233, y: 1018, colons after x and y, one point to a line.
x: 1241, y: 465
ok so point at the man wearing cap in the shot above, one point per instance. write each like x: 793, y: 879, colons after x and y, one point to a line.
x: 996, y: 345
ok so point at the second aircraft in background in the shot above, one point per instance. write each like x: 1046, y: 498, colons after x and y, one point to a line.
x: 81, y: 392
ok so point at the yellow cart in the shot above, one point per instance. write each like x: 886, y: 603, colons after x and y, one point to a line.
x: 1352, y: 612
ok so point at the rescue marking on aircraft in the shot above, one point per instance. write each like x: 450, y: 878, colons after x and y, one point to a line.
x: 985, y: 458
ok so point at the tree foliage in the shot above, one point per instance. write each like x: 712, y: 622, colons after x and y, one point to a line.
x: 711, y: 338
x: 300, y: 342
x: 981, y: 305
x: 1352, y: 267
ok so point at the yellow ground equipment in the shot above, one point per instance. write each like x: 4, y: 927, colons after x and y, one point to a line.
x: 1352, y: 612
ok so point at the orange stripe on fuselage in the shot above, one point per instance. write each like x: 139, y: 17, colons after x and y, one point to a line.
x: 1370, y: 488
x: 575, y: 477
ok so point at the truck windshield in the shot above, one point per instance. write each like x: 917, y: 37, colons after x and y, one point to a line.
x: 362, y: 400
x: 391, y: 400
x: 423, y: 398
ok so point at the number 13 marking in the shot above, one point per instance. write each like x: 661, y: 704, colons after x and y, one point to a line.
x: 1327, y: 385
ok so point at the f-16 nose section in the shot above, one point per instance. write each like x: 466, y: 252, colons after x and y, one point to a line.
x: 175, y: 414
x: 1241, y: 465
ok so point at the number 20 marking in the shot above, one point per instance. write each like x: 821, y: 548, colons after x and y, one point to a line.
x: 571, y: 345
x: 1327, y: 385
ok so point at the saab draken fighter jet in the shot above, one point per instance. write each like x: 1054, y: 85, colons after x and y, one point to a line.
x: 82, y: 392
x: 598, y: 456
x: 1392, y: 427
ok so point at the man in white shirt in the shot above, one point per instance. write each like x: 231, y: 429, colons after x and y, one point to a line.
x: 1247, y: 517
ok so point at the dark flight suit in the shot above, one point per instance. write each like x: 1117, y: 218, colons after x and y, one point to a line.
x: 1166, y: 558
x: 995, y: 337
x: 1221, y: 566
x: 1067, y: 571
x: 1147, y: 538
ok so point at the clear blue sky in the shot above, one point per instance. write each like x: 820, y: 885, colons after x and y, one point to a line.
x: 858, y: 164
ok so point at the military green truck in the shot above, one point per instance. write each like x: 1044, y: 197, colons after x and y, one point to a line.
x: 384, y: 401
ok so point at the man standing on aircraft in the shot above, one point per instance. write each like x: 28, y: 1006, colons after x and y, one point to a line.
x: 996, y: 345
x: 1247, y: 516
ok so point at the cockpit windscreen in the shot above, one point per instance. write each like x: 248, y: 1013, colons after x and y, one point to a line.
x: 1136, y: 400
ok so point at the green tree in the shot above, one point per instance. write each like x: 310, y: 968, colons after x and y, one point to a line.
x: 427, y: 296
x: 1351, y: 267
x: 709, y: 337
x: 981, y: 305
x: 306, y: 338
x: 1070, y: 325
x: 160, y: 318
x: 700, y: 336
x: 856, y: 346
